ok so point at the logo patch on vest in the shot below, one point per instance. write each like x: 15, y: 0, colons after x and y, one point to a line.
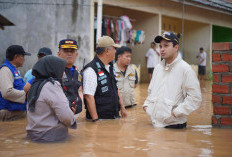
x: 131, y: 74
x: 104, y: 81
x: 16, y: 74
x: 98, y: 65
x: 104, y: 89
x: 101, y: 73
x: 79, y: 78
x: 102, y: 77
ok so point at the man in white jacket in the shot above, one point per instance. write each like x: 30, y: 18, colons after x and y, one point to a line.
x: 174, y: 91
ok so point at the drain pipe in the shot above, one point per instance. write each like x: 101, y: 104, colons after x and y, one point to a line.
x: 99, y: 19
x: 183, y: 12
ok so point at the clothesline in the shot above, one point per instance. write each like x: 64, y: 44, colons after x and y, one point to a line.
x: 115, y: 17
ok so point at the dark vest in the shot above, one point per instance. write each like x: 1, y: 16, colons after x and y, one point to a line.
x: 17, y: 84
x: 70, y: 88
x: 106, y: 95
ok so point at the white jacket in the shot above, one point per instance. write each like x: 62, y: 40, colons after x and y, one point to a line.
x: 174, y: 87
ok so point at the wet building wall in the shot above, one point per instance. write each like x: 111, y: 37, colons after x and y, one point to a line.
x: 43, y: 23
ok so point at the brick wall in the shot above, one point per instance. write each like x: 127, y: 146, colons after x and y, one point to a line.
x: 222, y: 84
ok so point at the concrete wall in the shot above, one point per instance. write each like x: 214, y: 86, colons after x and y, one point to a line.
x: 197, y: 35
x: 43, y: 23
x: 149, y: 23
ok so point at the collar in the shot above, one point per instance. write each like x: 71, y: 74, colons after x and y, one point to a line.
x: 117, y: 68
x: 102, y: 65
x: 9, y: 63
x: 168, y: 66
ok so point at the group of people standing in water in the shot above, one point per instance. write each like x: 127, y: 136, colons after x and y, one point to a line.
x: 51, y: 98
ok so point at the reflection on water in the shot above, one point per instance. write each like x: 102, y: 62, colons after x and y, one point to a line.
x: 134, y: 136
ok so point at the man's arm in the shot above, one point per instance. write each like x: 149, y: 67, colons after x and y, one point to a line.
x: 193, y: 95
x: 123, y: 110
x: 90, y: 102
x: 89, y: 89
x: 6, y: 87
x: 157, y: 52
x: 202, y: 60
x: 27, y: 87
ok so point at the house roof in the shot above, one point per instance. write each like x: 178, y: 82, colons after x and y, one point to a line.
x: 225, y: 5
x: 5, y: 22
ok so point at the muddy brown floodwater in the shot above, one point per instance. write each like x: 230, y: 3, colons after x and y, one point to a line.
x: 134, y: 136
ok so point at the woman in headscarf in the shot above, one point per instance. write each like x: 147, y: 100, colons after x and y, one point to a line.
x: 49, y: 114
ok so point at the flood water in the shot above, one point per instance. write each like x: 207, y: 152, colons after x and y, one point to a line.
x: 134, y: 136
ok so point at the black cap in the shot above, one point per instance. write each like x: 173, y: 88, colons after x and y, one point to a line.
x: 45, y: 51
x: 16, y: 49
x: 201, y: 48
x: 169, y: 36
x: 68, y: 43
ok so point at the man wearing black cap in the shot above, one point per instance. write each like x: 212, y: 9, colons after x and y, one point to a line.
x: 28, y: 78
x: 72, y: 82
x: 174, y: 91
x: 12, y: 95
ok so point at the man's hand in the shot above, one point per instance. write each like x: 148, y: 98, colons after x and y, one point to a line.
x: 135, y: 85
x: 123, y: 112
x: 145, y: 108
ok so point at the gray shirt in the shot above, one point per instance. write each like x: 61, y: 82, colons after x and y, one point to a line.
x: 52, y: 115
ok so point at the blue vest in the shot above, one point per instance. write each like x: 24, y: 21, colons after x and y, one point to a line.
x: 17, y: 84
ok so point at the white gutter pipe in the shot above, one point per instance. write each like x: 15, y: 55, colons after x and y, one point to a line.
x: 99, y: 19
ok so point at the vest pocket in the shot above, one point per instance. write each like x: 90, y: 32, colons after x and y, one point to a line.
x: 120, y: 82
x: 132, y: 81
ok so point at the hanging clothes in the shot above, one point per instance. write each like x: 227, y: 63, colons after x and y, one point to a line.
x: 120, y: 29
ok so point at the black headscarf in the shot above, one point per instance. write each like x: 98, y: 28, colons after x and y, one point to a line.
x: 48, y: 69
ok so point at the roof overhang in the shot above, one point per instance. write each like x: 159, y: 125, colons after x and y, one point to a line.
x: 221, y: 6
x: 4, y: 22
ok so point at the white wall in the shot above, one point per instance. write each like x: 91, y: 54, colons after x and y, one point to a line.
x: 197, y: 35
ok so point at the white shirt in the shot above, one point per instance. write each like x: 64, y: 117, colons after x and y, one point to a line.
x: 202, y: 55
x: 152, y: 58
x: 174, y: 87
x: 90, y: 80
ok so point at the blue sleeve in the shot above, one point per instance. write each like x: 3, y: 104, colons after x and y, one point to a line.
x: 31, y: 80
